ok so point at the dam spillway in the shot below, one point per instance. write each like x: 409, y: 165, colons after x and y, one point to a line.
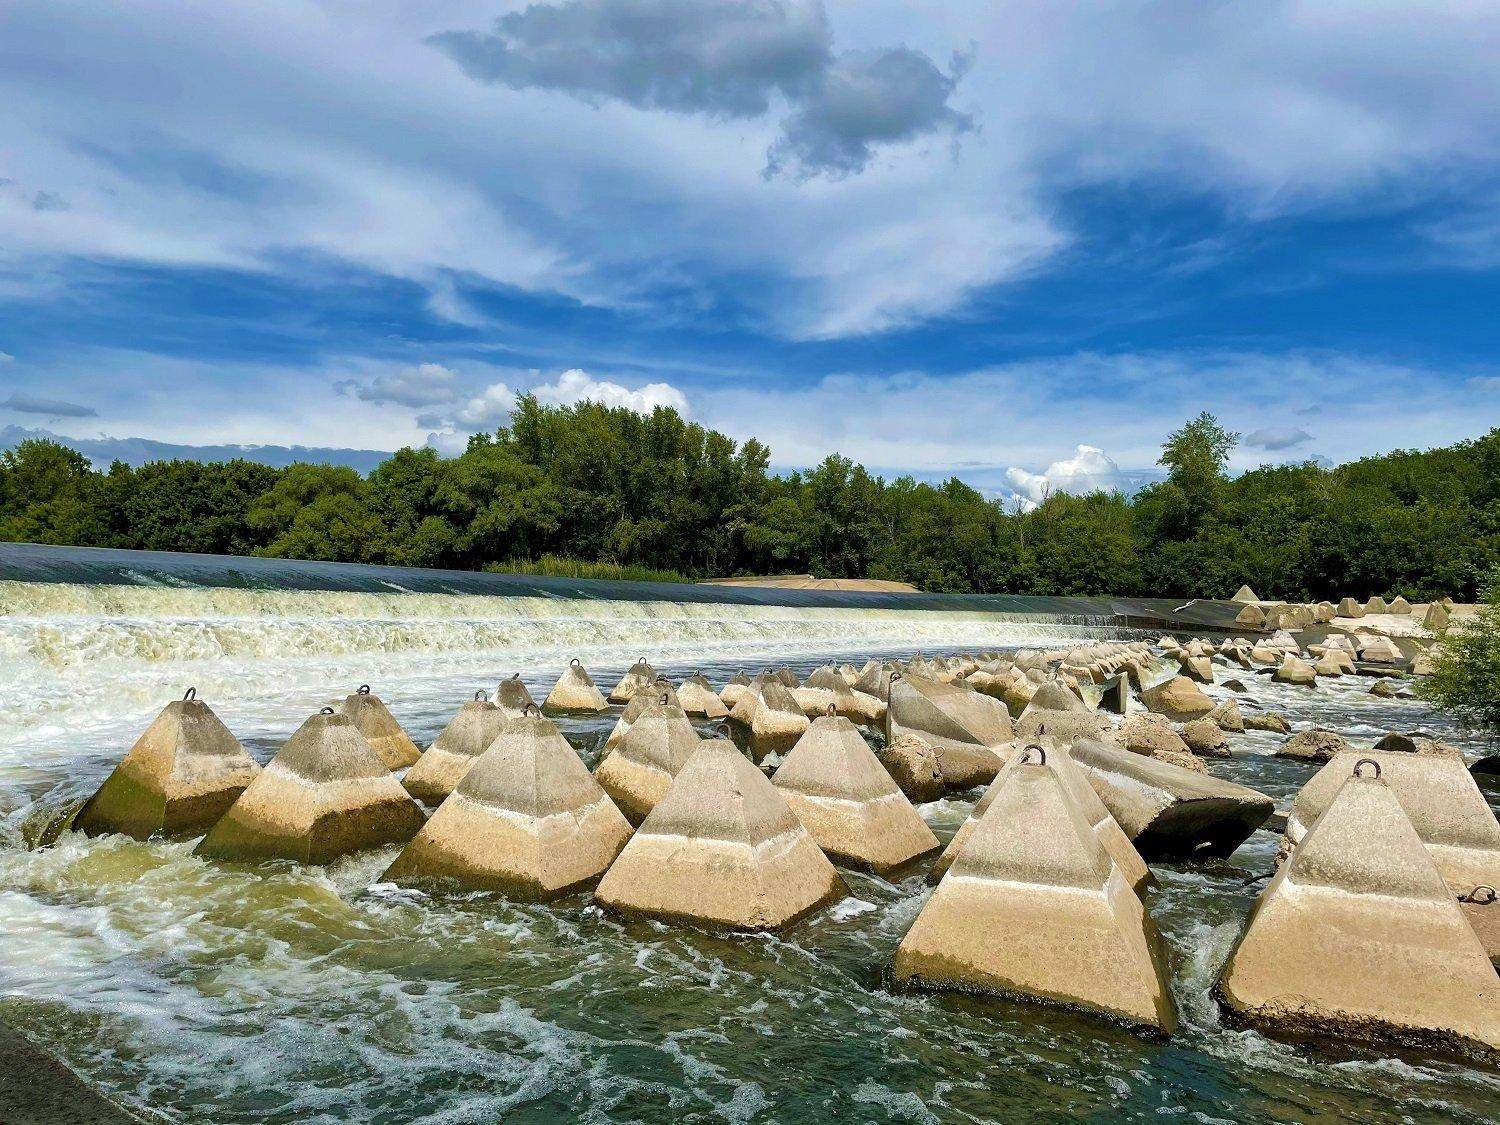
x: 224, y: 992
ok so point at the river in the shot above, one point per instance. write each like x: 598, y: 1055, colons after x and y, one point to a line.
x: 215, y: 993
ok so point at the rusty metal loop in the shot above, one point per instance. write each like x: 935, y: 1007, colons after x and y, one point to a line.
x: 326, y: 711
x: 515, y: 675
x: 530, y: 709
x: 896, y: 675
x: 1482, y: 895
x: 364, y: 689
x: 831, y: 710
x: 665, y: 699
x: 575, y: 663
x: 1041, y: 753
x: 482, y: 694
x: 1371, y: 762
x: 191, y: 693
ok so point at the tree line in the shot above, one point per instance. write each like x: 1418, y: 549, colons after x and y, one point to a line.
x: 601, y: 490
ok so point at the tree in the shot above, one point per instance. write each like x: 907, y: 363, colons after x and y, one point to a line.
x: 50, y: 494
x: 1195, y: 457
x: 1466, y: 674
x: 319, y: 512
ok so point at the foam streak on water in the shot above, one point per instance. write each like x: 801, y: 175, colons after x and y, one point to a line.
x: 221, y: 993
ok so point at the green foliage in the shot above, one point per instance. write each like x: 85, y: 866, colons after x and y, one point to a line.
x: 556, y: 566
x: 1466, y: 674
x: 562, y: 490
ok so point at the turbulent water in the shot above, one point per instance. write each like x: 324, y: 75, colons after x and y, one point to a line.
x: 217, y: 993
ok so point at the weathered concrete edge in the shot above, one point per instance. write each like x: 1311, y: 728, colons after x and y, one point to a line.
x: 38, y: 1088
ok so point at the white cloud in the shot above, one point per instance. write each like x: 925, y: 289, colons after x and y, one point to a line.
x: 6, y: 357
x: 426, y: 384
x: 412, y: 169
x: 578, y: 386
x: 1090, y: 469
x: 491, y: 406
x: 487, y: 410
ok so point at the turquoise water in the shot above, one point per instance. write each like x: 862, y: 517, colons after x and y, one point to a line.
x: 215, y: 993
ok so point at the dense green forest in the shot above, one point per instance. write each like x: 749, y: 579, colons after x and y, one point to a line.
x: 626, y: 493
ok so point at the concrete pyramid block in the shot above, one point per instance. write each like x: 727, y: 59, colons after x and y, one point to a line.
x: 1399, y: 605
x: 1446, y: 808
x: 181, y: 775
x: 722, y: 849
x: 640, y: 675
x: 513, y: 697
x: 528, y: 820
x: 326, y: 793
x: 575, y: 693
x: 874, y: 679
x: 825, y: 688
x: 1376, y: 604
x: 1177, y: 698
x: 1348, y: 607
x: 1244, y: 594
x: 1436, y: 618
x: 1358, y: 936
x: 380, y: 729
x: 1034, y: 908
x: 1166, y: 810
x: 769, y: 723
x: 696, y: 696
x: 447, y: 760
x: 850, y: 804
x: 1108, y: 831
x: 971, y: 732
x: 737, y: 689
x: 1252, y: 616
x: 662, y: 694
x: 651, y: 753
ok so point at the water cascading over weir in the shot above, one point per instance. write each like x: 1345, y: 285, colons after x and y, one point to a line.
x: 68, y: 605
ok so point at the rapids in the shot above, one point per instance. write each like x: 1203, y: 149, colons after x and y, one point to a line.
x: 218, y: 993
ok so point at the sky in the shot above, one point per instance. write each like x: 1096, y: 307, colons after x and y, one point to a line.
x: 1016, y: 243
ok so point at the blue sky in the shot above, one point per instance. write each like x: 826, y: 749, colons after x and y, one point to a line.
x: 939, y: 237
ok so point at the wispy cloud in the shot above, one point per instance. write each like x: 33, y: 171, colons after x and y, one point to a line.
x: 1277, y: 438
x: 24, y: 403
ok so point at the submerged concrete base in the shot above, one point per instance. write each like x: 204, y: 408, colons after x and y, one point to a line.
x: 36, y: 1088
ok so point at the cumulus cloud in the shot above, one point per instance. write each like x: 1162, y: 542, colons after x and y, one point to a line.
x: 578, y: 386
x: 1277, y: 438
x: 24, y: 403
x: 6, y: 357
x: 726, y: 59
x: 1090, y: 469
x: 426, y: 384
x: 491, y: 407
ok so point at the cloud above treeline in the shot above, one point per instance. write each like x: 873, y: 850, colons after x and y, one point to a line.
x: 724, y: 59
x: 1090, y: 469
x: 453, y: 407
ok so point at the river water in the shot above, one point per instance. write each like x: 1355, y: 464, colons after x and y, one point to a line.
x: 214, y: 993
